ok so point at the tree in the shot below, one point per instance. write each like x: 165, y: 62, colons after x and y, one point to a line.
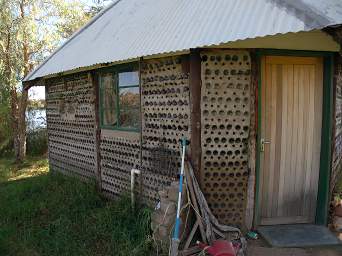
x: 29, y: 31
x: 5, y: 130
x: 97, y: 6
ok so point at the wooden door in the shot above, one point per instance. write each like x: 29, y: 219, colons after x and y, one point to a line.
x: 291, y: 116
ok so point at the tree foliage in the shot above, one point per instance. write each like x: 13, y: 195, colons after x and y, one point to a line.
x: 40, y: 24
x: 97, y: 6
x: 29, y: 31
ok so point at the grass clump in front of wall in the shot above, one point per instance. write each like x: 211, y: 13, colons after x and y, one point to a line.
x: 49, y: 214
x: 338, y: 186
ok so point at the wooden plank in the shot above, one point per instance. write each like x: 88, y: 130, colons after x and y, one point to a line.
x: 309, y: 102
x: 97, y: 138
x: 278, y: 138
x: 195, y: 104
x: 283, y: 60
x: 36, y: 82
x: 141, y: 178
x: 289, y: 141
x: 318, y: 105
x: 266, y: 163
x: 191, y: 235
x: 194, y: 202
x: 305, y: 128
x: 272, y: 126
x: 282, y: 167
x: 299, y: 149
x: 262, y: 135
x: 48, y: 120
x: 294, y: 144
x: 131, y: 135
x: 252, y: 144
x: 191, y: 251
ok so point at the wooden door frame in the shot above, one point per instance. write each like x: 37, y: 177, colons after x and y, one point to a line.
x: 326, y: 134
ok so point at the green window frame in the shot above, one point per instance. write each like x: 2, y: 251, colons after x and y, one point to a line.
x: 120, y: 98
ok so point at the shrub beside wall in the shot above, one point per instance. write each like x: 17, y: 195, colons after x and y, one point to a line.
x: 36, y: 142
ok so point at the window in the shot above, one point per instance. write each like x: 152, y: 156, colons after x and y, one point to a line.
x: 120, y: 99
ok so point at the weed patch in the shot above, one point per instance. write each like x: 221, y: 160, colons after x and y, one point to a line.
x: 49, y: 214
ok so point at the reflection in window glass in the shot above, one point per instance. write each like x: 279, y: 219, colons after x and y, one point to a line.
x: 129, y: 102
x: 128, y: 79
x: 129, y: 118
x: 109, y: 100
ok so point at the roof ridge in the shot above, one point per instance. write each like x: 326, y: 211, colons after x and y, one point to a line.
x: 81, y: 29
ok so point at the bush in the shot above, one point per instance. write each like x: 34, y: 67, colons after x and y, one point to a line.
x: 6, y: 147
x: 6, y: 142
x: 36, y: 143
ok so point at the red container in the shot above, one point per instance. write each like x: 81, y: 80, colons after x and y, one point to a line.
x: 338, y: 210
x: 219, y: 248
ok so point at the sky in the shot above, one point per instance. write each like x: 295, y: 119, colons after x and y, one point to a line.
x: 38, y: 92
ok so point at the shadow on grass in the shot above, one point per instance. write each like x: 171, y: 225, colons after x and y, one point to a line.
x: 51, y: 214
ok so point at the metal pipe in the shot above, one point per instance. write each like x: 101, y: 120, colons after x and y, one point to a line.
x: 133, y: 172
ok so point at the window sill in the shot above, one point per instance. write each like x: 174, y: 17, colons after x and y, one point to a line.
x: 120, y: 129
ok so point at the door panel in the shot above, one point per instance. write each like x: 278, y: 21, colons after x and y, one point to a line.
x: 291, y: 127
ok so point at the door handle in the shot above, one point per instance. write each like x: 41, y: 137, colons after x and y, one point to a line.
x: 262, y: 144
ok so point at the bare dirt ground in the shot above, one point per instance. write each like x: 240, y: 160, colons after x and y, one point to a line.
x: 260, y: 248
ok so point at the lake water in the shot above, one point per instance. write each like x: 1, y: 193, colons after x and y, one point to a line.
x: 36, y: 119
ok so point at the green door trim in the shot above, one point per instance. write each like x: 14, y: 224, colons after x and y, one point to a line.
x: 326, y: 136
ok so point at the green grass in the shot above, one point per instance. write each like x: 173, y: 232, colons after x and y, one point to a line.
x: 32, y: 166
x: 48, y: 214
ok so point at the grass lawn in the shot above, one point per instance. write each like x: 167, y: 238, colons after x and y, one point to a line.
x: 48, y: 214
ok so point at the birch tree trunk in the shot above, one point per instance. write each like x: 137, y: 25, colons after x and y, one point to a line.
x: 22, y: 104
x: 22, y: 126
x: 8, y: 71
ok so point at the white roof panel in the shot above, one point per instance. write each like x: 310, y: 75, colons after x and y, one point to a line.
x: 129, y: 29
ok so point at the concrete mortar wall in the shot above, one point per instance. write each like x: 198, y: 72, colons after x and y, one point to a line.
x: 225, y: 120
x: 70, y: 121
x: 337, y: 150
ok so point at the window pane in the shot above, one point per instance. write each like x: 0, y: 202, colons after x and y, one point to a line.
x: 130, y: 118
x: 129, y: 107
x: 128, y: 78
x: 109, y: 103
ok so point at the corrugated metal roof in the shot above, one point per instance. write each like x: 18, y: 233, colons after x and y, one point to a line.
x: 129, y: 29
